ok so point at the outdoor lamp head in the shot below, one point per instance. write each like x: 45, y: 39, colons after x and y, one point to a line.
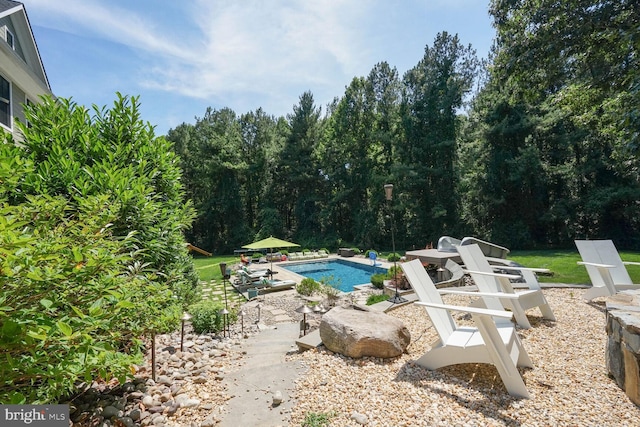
x: 223, y: 268
x: 388, y: 191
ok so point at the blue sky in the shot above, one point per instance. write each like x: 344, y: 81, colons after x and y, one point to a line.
x: 181, y: 57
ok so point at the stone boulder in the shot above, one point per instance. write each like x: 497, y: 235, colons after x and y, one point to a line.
x: 623, y: 341
x: 357, y: 333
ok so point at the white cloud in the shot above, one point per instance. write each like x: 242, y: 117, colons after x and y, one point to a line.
x: 249, y: 51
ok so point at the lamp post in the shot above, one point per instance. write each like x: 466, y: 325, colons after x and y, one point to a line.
x: 223, y: 270
x: 388, y: 192
x: 185, y: 318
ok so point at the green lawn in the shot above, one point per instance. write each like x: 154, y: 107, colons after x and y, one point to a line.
x: 564, y: 265
x: 211, y: 283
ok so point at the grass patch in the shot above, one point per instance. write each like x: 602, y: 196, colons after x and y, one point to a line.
x: 564, y: 265
x: 376, y: 298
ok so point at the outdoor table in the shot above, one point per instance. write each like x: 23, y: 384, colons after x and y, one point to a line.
x: 433, y: 256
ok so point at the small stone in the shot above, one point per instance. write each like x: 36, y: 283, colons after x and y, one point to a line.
x: 210, y: 421
x: 277, y: 398
x: 147, y: 401
x: 160, y: 420
x: 200, y: 380
x: 190, y: 403
x: 111, y: 411
x: 359, y: 418
x: 163, y: 379
x: 126, y: 422
x: 134, y: 414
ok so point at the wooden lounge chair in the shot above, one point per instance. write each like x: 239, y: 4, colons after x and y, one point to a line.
x: 493, y: 339
x: 606, y: 269
x: 494, y: 285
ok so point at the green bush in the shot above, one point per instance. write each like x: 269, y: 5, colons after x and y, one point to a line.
x: 356, y: 251
x: 366, y: 254
x: 330, y: 292
x: 206, y: 317
x: 376, y: 298
x: 308, y: 287
x: 395, y: 269
x: 393, y: 257
x: 377, y: 280
x: 92, y: 252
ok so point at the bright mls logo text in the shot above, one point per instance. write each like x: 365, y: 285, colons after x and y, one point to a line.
x: 37, y: 414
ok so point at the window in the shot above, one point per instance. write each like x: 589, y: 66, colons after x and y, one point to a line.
x: 5, y: 102
x: 10, y: 39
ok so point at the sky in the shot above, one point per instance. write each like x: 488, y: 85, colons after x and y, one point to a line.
x: 181, y: 57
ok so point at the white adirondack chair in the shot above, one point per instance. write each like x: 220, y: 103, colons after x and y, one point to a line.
x: 497, y: 291
x: 606, y: 269
x: 494, y: 339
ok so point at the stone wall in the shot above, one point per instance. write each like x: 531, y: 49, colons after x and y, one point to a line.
x: 623, y: 343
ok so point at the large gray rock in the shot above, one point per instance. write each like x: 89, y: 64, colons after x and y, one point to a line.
x: 356, y: 333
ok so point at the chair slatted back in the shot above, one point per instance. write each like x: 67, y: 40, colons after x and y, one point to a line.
x: 603, y: 252
x: 427, y: 292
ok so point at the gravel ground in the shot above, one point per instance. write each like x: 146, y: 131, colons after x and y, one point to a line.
x: 569, y: 383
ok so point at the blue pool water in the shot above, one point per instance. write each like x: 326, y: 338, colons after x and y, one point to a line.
x: 340, y: 274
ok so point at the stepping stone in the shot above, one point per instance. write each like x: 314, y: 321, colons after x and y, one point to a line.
x: 282, y: 318
x: 278, y: 311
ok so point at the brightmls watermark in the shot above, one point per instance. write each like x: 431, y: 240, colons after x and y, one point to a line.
x: 34, y: 415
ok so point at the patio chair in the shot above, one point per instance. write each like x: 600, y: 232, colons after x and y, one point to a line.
x: 488, y: 249
x: 606, y: 269
x: 489, y: 282
x: 266, y: 285
x: 493, y: 339
x: 245, y: 278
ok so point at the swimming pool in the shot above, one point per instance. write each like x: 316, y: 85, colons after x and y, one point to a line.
x: 343, y: 275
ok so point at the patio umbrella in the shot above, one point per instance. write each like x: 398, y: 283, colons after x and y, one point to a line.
x: 271, y: 243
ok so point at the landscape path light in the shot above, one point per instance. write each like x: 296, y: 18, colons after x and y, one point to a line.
x: 225, y: 321
x: 304, y: 309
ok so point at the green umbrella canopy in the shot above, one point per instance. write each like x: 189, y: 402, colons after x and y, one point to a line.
x: 270, y: 242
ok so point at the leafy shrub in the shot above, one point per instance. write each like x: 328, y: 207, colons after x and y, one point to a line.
x: 366, y: 254
x: 330, y: 292
x: 92, y: 251
x: 206, y: 317
x: 397, y: 270
x: 377, y: 280
x: 356, y: 251
x: 308, y: 287
x: 376, y: 298
x: 393, y: 257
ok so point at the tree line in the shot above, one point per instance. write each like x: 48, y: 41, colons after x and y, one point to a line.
x: 533, y: 147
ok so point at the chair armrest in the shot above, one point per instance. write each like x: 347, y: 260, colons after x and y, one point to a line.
x: 492, y: 274
x: 593, y: 264
x: 533, y: 269
x: 630, y: 263
x: 471, y: 310
x: 479, y: 294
